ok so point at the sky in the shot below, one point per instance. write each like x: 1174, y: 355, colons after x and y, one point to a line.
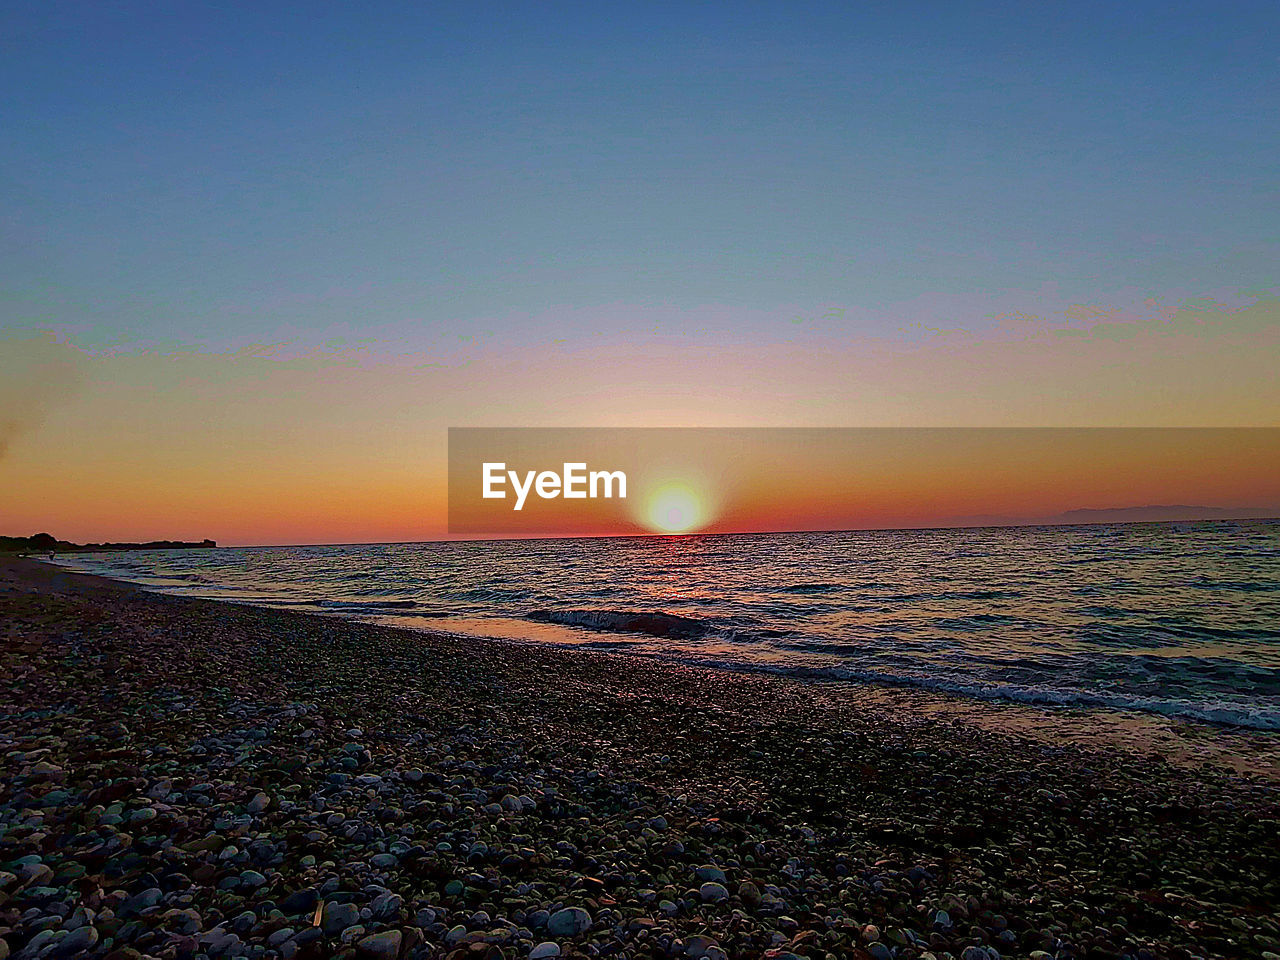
x: 256, y: 259
x: 510, y: 482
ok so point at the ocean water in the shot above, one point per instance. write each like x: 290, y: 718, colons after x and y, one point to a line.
x: 1181, y: 619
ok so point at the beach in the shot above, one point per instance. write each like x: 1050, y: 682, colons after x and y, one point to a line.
x: 188, y: 778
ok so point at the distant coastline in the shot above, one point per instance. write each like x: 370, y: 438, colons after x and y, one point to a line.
x: 1172, y: 513
x: 47, y: 543
x: 1152, y: 513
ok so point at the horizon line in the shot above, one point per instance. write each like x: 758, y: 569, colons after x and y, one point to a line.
x: 759, y: 533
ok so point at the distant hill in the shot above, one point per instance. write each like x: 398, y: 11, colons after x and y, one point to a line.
x: 1161, y: 513
x: 1151, y: 513
x: 47, y: 543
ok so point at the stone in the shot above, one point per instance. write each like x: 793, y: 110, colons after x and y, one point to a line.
x: 386, y: 906
x: 338, y: 916
x: 545, y: 950
x: 569, y: 922
x: 77, y: 942
x: 299, y: 902
x: 712, y: 892
x: 141, y: 901
x: 709, y: 872
x: 380, y: 946
x: 697, y: 946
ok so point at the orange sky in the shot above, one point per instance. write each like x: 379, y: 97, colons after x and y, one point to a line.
x: 732, y: 480
x: 289, y: 444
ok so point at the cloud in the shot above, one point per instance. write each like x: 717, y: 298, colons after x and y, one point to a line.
x: 37, y: 372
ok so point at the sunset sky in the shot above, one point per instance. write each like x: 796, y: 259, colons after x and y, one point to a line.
x: 257, y: 259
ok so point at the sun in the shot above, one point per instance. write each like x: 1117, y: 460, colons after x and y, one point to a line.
x: 675, y: 507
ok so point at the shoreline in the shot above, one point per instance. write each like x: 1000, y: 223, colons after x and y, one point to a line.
x: 430, y: 793
x: 1182, y: 740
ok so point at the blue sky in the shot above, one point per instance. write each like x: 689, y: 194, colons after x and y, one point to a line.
x: 224, y: 175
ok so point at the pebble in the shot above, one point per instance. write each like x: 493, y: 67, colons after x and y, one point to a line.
x: 569, y: 922
x: 380, y: 946
x: 712, y: 892
x: 441, y: 798
x: 338, y: 916
x: 77, y: 942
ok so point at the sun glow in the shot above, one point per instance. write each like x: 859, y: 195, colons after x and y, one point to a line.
x: 676, y: 507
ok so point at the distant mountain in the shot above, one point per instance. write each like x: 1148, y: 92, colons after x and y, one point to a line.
x: 47, y: 543
x: 1162, y: 513
x: 1153, y: 513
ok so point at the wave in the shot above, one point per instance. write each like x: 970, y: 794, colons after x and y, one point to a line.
x: 365, y: 604
x: 1052, y: 617
x: 654, y: 624
x: 1218, y: 713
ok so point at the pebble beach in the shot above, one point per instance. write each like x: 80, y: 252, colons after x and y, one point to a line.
x: 186, y: 778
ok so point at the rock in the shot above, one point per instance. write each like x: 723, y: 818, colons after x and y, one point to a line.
x: 544, y: 950
x: 81, y: 916
x: 141, y: 901
x: 338, y: 916
x: 77, y: 942
x: 749, y: 894
x: 708, y: 872
x: 35, y: 874
x: 712, y: 892
x: 386, y: 906
x: 569, y: 922
x: 697, y: 946
x: 41, y: 941
x: 185, y: 922
x: 259, y: 803
x: 280, y: 936
x: 380, y: 946
x: 219, y: 940
x: 879, y: 951
x: 299, y: 902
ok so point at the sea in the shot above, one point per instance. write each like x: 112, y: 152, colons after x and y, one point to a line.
x: 1177, y: 619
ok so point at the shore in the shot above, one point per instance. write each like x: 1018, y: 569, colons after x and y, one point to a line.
x: 186, y: 778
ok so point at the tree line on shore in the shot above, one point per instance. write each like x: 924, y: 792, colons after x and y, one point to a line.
x: 47, y: 543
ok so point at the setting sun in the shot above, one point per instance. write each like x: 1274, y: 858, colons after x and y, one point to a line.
x: 675, y: 507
